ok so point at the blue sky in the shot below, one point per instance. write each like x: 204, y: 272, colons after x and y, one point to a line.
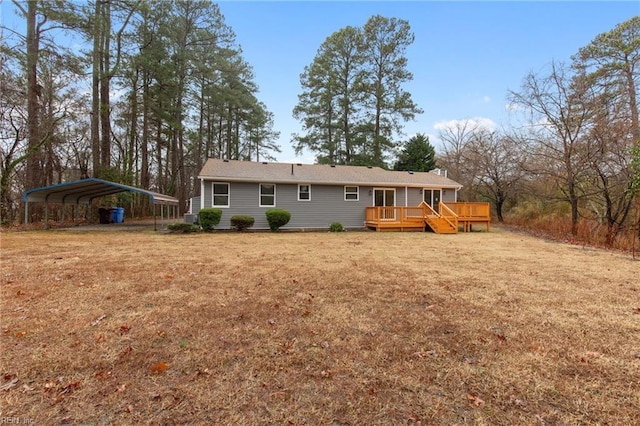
x: 465, y: 58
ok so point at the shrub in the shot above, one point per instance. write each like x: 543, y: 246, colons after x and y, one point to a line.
x: 209, y: 218
x: 336, y: 227
x: 241, y: 222
x: 183, y: 227
x: 277, y: 218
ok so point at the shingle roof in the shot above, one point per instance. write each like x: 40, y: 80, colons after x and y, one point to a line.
x: 248, y: 171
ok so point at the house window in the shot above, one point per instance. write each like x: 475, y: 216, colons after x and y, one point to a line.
x: 351, y: 193
x: 304, y: 192
x: 220, y: 195
x: 267, y: 195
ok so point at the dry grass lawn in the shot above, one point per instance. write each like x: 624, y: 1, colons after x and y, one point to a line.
x: 316, y: 328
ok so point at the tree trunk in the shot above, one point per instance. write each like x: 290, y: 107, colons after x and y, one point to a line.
x: 499, y: 206
x: 144, y: 143
x: 95, y: 89
x: 133, y: 131
x: 33, y: 166
x: 105, y: 80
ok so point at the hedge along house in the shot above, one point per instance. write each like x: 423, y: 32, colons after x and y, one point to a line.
x: 318, y: 195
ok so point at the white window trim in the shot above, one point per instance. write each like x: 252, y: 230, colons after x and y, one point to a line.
x: 260, y: 195
x: 307, y: 185
x: 432, y: 191
x: 357, y: 192
x: 395, y: 194
x: 213, y: 185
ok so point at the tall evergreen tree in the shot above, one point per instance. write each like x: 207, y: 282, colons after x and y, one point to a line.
x: 417, y: 155
x: 352, y: 103
x: 329, y: 105
x: 388, y: 105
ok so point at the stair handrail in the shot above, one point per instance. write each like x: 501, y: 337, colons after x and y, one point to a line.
x: 426, y: 209
x: 449, y: 215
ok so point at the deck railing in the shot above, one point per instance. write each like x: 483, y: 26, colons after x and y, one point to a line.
x: 393, y: 214
x: 470, y: 210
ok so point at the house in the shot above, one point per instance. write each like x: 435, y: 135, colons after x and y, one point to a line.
x: 318, y: 195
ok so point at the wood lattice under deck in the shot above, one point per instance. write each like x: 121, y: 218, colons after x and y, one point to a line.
x: 446, y: 220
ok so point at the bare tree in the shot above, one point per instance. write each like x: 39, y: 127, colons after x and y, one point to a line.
x: 498, y: 161
x: 558, y: 117
x: 456, y: 136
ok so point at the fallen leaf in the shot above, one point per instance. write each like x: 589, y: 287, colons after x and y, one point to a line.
x: 169, y: 276
x: 159, y: 367
x: 97, y: 320
x: 102, y: 374
x: 206, y: 372
x: 20, y: 334
x: 124, y: 328
x: 126, y: 352
x: 70, y: 387
x: 475, y: 399
x: 13, y: 383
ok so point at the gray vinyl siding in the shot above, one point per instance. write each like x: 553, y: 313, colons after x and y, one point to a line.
x: 449, y: 196
x: 195, y: 205
x: 414, y: 196
x: 327, y: 204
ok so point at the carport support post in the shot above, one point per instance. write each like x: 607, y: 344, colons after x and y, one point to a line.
x: 46, y: 215
x: 26, y: 214
x: 155, y: 225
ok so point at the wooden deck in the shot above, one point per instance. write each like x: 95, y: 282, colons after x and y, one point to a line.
x: 472, y: 213
x: 447, y: 220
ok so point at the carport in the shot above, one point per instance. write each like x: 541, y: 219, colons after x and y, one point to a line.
x: 84, y: 191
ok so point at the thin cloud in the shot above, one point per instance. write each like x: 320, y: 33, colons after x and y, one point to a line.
x: 476, y: 122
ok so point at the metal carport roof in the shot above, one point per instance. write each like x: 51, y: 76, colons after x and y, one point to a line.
x: 84, y: 191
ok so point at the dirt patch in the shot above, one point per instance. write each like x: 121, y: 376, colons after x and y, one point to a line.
x: 316, y: 328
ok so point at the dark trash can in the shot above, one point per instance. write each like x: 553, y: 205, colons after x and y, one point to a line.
x: 117, y: 214
x: 105, y: 215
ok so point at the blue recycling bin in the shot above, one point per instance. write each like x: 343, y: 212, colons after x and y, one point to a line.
x: 117, y: 214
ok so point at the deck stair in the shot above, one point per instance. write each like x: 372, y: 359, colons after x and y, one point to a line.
x: 445, y: 222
